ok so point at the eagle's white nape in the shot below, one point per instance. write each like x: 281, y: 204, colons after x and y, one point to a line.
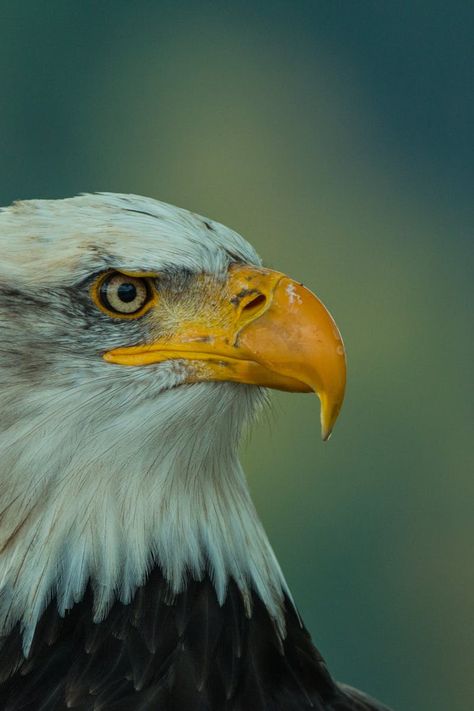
x: 105, y: 469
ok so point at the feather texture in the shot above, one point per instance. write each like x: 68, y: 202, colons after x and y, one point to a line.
x: 171, y: 653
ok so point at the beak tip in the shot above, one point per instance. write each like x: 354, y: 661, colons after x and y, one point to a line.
x: 330, y: 408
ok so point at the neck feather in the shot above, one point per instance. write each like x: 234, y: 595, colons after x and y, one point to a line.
x: 91, y: 502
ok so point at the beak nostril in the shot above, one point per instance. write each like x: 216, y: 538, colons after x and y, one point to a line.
x: 255, y: 303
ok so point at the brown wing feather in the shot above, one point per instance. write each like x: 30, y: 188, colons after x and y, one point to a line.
x: 170, y: 655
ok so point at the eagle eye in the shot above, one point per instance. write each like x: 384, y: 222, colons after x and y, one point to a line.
x: 123, y: 295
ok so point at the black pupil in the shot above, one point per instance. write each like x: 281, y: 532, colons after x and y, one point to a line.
x: 127, y: 292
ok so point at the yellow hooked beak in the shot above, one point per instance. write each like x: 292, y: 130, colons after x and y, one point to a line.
x: 259, y: 328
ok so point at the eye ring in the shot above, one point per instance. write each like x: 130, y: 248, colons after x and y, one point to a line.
x: 124, y: 296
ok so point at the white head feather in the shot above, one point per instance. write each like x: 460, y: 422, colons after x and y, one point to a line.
x: 107, y: 470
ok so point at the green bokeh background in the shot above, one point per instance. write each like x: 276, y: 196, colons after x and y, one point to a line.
x: 336, y: 137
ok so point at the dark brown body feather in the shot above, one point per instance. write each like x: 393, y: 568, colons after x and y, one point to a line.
x: 186, y: 654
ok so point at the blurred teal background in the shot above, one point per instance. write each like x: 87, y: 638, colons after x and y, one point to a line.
x: 336, y: 136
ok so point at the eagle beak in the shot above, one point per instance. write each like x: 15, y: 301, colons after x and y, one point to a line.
x: 297, y: 339
x: 261, y: 328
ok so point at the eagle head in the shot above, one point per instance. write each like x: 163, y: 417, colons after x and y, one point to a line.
x: 137, y: 340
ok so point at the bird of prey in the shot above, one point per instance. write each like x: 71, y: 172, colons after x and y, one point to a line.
x: 137, y: 340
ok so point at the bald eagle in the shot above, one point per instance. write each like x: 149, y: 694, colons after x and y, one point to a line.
x: 137, y: 339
